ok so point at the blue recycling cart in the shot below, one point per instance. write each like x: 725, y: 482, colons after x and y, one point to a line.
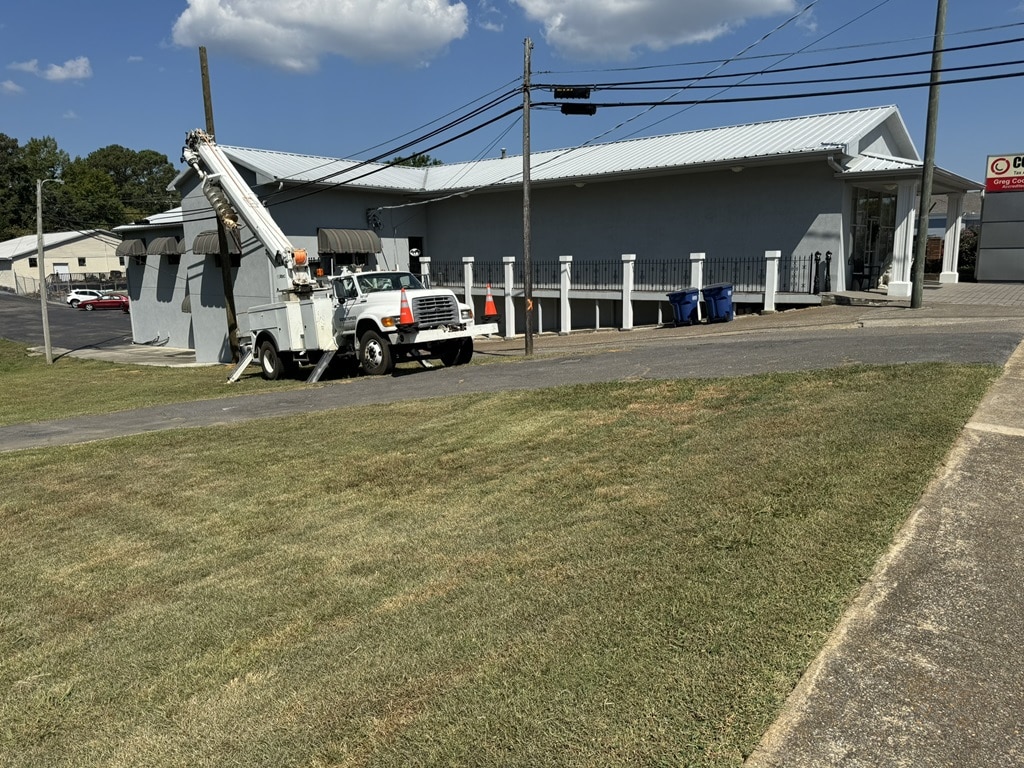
x: 685, y: 306
x: 718, y: 302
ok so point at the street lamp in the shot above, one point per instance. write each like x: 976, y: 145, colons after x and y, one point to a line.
x: 42, y: 268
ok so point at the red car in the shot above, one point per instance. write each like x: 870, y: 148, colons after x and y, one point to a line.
x: 106, y: 301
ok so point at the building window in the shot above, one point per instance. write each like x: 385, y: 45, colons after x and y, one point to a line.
x: 173, y: 259
x: 81, y: 262
x: 33, y: 261
x: 120, y: 261
x: 140, y: 260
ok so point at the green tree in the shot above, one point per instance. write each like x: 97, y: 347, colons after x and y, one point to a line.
x: 141, y: 178
x: 416, y: 161
x: 88, y: 199
x: 14, y: 215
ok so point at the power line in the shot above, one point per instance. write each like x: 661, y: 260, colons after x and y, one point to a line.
x: 779, y: 97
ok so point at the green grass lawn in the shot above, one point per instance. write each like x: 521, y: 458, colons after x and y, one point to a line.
x: 608, y: 575
x: 36, y: 391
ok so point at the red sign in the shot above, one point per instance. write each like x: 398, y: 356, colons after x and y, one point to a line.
x: 1004, y: 173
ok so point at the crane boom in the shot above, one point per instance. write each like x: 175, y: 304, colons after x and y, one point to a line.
x: 232, y: 199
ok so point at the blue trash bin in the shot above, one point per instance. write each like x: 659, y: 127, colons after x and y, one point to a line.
x: 684, y: 305
x: 718, y: 301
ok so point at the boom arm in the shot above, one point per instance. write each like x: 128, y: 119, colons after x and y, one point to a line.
x: 232, y: 198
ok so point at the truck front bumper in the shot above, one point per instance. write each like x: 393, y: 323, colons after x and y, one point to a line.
x: 443, y: 334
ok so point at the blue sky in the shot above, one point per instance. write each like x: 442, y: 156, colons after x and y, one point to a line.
x: 342, y: 77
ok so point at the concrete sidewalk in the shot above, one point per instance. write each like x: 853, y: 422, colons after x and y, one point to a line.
x: 927, y: 666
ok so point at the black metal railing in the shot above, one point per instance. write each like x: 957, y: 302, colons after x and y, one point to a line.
x: 596, y: 275
x: 670, y: 275
x: 809, y: 273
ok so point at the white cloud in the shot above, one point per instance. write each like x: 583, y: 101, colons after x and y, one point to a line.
x: 70, y: 115
x: 31, y: 67
x: 72, y: 69
x: 617, y: 29
x: 134, y: 59
x: 489, y: 18
x: 9, y: 86
x: 295, y: 35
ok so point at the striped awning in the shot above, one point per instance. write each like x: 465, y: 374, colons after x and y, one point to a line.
x: 162, y: 246
x: 130, y: 248
x: 207, y: 244
x: 348, y: 241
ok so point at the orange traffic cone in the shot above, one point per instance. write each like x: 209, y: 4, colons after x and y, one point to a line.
x: 490, y: 311
x: 405, y: 313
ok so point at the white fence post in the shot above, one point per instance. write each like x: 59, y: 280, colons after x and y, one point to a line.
x: 628, y: 284
x: 564, y: 284
x: 771, y: 280
x: 510, y: 307
x: 467, y: 278
x: 696, y: 278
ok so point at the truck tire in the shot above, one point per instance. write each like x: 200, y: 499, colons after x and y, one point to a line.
x: 375, y: 354
x: 271, y: 365
x: 457, y: 352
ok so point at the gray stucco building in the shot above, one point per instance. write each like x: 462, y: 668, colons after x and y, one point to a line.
x: 843, y: 185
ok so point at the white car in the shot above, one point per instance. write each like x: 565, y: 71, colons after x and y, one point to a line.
x: 79, y: 295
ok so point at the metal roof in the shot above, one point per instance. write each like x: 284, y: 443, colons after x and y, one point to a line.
x: 838, y: 132
x: 28, y: 244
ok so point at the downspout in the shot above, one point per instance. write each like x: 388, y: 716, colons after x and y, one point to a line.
x: 834, y: 164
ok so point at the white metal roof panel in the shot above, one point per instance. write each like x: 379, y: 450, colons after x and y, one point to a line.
x: 841, y: 132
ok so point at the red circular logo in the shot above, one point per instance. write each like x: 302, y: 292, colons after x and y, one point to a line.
x: 999, y: 166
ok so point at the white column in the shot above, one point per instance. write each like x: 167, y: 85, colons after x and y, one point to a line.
x: 951, y: 246
x: 900, y: 285
x: 510, y: 307
x: 628, y: 283
x: 564, y: 284
x: 425, y: 270
x: 696, y: 279
x: 467, y: 278
x: 771, y: 280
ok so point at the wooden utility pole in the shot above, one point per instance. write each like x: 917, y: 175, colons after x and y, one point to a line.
x: 928, y: 174
x: 527, y: 263
x: 222, y: 239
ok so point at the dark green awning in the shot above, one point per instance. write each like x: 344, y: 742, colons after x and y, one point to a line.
x: 130, y: 248
x: 207, y: 244
x: 338, y: 241
x: 162, y: 246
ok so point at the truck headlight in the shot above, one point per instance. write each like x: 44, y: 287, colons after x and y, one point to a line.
x: 389, y: 322
x: 467, y: 314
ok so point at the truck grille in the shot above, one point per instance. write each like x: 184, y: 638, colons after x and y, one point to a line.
x: 431, y: 311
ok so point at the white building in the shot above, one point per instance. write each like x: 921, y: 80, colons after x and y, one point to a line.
x: 69, y: 258
x: 842, y: 186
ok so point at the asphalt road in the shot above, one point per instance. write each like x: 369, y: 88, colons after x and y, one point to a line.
x: 743, y: 351
x: 21, y: 319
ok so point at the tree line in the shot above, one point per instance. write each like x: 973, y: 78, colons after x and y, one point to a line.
x: 109, y: 187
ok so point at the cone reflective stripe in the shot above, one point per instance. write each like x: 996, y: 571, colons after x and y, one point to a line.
x: 405, y: 313
x: 489, y: 309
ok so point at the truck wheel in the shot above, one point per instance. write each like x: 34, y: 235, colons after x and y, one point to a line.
x: 271, y: 364
x: 457, y: 352
x: 375, y: 354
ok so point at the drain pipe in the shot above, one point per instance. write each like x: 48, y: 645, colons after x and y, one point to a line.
x: 834, y: 164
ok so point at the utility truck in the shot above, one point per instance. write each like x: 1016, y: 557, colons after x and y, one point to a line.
x: 373, y: 317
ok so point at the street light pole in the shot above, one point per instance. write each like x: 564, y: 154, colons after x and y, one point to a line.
x: 42, y: 267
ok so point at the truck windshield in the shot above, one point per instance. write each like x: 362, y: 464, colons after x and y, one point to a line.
x: 387, y: 281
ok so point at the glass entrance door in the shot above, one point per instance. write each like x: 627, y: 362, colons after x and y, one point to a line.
x: 874, y: 231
